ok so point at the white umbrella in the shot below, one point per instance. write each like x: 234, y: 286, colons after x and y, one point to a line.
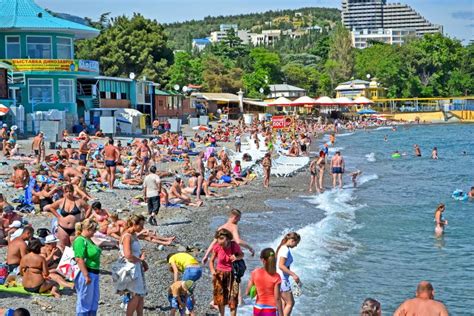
x: 201, y: 128
x: 362, y: 100
x: 343, y: 101
x: 303, y: 101
x: 325, y: 101
x: 3, y: 110
x: 281, y: 101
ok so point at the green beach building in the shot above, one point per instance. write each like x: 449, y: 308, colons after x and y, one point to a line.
x: 37, y: 65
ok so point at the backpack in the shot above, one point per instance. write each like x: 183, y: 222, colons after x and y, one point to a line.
x: 3, y: 273
x: 238, y: 269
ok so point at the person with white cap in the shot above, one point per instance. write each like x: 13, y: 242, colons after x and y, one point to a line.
x: 51, y: 252
x: 17, y: 248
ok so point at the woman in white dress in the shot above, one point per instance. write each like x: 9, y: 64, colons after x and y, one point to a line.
x: 131, y: 251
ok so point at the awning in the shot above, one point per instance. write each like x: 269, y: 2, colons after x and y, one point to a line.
x: 219, y: 97
x: 362, y: 100
x: 325, y: 101
x: 281, y: 101
x: 302, y: 101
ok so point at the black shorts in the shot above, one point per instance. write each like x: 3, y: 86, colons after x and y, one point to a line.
x: 153, y: 205
x: 37, y: 152
x: 110, y: 163
x: 83, y: 157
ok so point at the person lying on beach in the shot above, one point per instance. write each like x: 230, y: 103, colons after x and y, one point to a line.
x: 153, y: 237
x: 192, y: 187
x: 214, y: 182
x: 35, y: 272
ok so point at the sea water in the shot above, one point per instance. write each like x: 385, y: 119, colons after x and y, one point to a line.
x: 377, y: 240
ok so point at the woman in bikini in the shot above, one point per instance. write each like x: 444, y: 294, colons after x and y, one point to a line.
x: 69, y: 210
x: 101, y: 237
x: 35, y: 271
x: 321, y: 164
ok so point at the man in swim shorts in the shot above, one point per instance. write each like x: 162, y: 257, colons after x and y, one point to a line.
x: 337, y: 169
x: 423, y: 303
x: 111, y: 157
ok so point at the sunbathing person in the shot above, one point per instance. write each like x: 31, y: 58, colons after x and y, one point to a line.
x: 35, y: 272
x: 214, y: 182
x: 153, y: 237
x: 192, y: 186
x: 176, y: 195
x: 116, y: 227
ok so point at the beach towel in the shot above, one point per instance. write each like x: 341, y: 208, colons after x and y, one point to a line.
x: 18, y: 289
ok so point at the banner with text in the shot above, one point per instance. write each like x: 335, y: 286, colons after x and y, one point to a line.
x: 67, y: 65
x: 281, y: 122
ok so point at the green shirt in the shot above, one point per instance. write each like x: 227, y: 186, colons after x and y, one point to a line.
x: 85, y: 249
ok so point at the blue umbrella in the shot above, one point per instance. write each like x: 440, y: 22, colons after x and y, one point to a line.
x: 366, y: 112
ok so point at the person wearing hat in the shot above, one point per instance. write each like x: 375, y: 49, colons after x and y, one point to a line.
x: 12, y: 135
x: 178, y: 297
x: 51, y: 252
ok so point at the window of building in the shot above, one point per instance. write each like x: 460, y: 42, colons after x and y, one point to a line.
x: 38, y: 47
x: 102, y: 94
x: 66, y: 91
x: 64, y: 47
x: 40, y: 91
x: 113, y: 95
x: 12, y: 47
x: 123, y: 96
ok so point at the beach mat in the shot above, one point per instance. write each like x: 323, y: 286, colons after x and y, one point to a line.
x: 19, y: 290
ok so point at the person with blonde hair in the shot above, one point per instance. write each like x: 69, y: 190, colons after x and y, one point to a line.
x: 438, y: 218
x: 370, y: 307
x: 87, y: 255
x: 267, y: 284
x: 131, y: 251
x: 284, y: 261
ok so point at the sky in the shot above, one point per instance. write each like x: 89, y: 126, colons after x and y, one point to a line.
x: 456, y: 16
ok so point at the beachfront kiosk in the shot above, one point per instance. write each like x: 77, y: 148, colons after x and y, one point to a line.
x: 37, y: 59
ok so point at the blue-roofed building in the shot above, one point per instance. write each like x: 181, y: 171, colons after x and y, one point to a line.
x: 201, y: 43
x: 37, y: 56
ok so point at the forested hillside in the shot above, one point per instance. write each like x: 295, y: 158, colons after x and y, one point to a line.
x: 181, y: 34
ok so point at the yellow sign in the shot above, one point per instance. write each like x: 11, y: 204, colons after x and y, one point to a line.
x: 50, y: 65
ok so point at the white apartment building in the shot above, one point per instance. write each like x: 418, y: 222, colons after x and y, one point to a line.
x: 218, y: 36
x: 377, y: 20
x: 266, y: 38
x: 362, y: 38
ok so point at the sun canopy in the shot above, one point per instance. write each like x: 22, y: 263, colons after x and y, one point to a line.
x: 343, y: 101
x: 281, y: 101
x: 367, y: 112
x: 3, y: 110
x: 303, y: 101
x: 325, y: 101
x: 362, y: 100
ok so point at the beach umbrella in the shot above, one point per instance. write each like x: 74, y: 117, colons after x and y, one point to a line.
x: 302, y: 101
x: 201, y: 128
x: 366, y: 112
x: 362, y: 100
x: 281, y: 101
x: 3, y: 110
x: 343, y: 101
x: 325, y: 101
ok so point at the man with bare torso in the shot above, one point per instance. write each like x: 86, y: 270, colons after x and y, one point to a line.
x: 38, y: 147
x: 423, y: 304
x: 84, y: 148
x: 337, y: 169
x: 232, y: 226
x: 145, y: 155
x: 17, y: 249
x: 111, y: 156
x: 200, y: 169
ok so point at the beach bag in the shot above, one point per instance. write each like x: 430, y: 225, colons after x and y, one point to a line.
x: 3, y: 273
x: 67, y: 266
x: 238, y: 269
x: 226, y: 179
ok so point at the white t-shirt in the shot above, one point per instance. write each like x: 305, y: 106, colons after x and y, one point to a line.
x: 151, y: 183
x: 284, y: 252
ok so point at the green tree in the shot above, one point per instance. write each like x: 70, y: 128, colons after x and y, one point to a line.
x: 185, y: 70
x: 306, y: 77
x: 128, y: 45
x: 341, y: 52
x: 219, y: 78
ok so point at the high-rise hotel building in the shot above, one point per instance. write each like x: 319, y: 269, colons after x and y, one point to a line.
x: 367, y: 17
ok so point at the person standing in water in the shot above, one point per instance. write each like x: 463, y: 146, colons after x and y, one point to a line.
x: 417, y: 150
x: 284, y: 261
x: 423, y: 304
x: 438, y: 218
x: 337, y: 169
x: 434, y: 153
x: 313, y: 170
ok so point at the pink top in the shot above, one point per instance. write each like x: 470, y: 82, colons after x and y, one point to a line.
x: 223, y: 255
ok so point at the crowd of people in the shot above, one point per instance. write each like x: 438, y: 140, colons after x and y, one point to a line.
x: 62, y: 184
